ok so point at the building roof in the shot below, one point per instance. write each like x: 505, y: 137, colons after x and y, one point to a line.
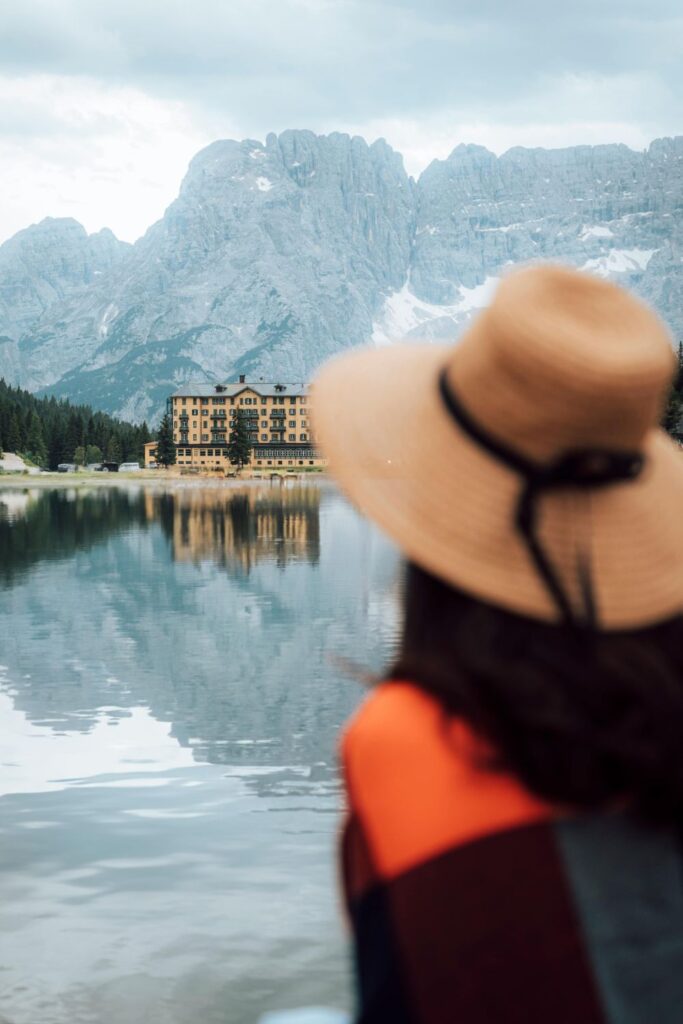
x: 229, y: 390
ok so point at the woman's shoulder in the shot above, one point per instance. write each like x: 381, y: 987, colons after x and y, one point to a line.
x: 394, y: 711
x: 400, y: 719
x: 421, y: 781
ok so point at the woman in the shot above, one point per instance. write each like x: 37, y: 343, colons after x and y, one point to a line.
x: 515, y: 787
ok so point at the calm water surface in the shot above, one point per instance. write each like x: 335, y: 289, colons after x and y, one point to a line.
x: 169, y: 706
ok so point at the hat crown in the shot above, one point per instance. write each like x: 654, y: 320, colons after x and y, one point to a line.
x: 564, y: 360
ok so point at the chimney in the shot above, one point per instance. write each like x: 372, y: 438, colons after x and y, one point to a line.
x: 241, y: 378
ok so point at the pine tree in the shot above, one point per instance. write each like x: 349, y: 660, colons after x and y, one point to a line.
x: 56, y: 447
x: 35, y: 442
x: 239, y: 445
x: 74, y: 435
x: 166, y: 450
x: 14, y: 434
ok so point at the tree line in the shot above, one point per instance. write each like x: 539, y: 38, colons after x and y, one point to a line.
x: 48, y: 431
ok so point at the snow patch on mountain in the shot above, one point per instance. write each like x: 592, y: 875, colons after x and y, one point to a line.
x: 107, y: 317
x: 620, y: 261
x: 405, y: 316
x: 595, y: 231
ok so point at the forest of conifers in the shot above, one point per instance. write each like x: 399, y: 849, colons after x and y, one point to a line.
x: 48, y: 431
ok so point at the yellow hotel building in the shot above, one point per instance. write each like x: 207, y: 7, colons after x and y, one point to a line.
x: 278, y: 419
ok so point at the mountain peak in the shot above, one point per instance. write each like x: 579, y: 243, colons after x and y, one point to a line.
x: 470, y: 150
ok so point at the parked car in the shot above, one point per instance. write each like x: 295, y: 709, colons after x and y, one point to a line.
x: 66, y: 467
x: 94, y: 467
x: 109, y: 467
x: 129, y: 467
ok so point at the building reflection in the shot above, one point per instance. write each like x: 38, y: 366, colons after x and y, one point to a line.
x: 238, y: 528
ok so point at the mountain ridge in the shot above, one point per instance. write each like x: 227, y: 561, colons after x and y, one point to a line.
x: 275, y: 255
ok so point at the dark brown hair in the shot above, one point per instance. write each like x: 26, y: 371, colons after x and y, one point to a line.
x: 583, y: 719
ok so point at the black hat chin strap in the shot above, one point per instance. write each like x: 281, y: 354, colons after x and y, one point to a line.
x: 580, y: 468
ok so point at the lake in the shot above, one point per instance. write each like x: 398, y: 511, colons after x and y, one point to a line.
x: 171, y: 692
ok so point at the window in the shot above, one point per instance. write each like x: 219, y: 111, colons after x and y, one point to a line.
x: 303, y: 437
x: 301, y: 462
x: 310, y: 462
x: 205, y: 401
x: 279, y: 462
x: 264, y: 423
x: 195, y: 412
x: 203, y: 453
x: 184, y: 401
x: 259, y: 462
x: 292, y: 437
x: 205, y: 437
x: 205, y: 412
x: 292, y: 423
x: 264, y: 437
x: 270, y: 462
x: 290, y: 462
x: 264, y: 411
x: 209, y: 451
x: 304, y: 423
x: 194, y: 437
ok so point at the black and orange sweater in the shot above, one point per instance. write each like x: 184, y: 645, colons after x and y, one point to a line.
x: 473, y: 902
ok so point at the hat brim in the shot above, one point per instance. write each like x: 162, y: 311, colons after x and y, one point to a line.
x: 449, y: 505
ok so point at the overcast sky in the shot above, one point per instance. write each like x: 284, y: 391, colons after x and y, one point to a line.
x: 104, y: 102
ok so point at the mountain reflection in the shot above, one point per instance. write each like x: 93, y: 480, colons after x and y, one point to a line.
x: 216, y: 611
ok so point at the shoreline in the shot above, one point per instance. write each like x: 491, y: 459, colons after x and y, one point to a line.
x: 155, y: 478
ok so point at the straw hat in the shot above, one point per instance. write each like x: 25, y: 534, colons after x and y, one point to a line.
x: 460, y: 453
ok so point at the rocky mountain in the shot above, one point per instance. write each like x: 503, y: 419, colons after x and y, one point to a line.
x: 275, y: 256
x: 604, y: 209
x: 40, y: 267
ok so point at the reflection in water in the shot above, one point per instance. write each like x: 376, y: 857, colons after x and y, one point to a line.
x: 233, y: 527
x: 36, y: 525
x: 240, y: 527
x: 171, y: 797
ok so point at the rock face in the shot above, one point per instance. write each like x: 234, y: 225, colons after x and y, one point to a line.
x: 604, y: 209
x: 275, y: 256
x: 41, y: 267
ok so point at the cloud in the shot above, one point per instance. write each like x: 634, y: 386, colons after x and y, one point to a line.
x: 306, y: 59
x: 133, y: 87
x: 106, y: 155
